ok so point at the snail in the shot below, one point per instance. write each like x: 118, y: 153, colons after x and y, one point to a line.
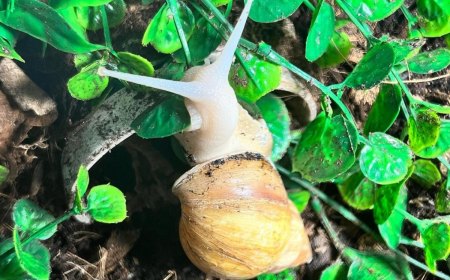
x: 237, y: 221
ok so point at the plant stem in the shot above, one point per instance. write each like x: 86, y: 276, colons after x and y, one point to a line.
x: 444, y: 162
x: 332, y: 203
x: 416, y: 221
x: 365, y: 30
x: 173, y: 6
x: 309, y: 5
x: 411, y: 242
x: 106, y: 33
x: 32, y: 237
x: 422, y: 266
x: 320, y: 212
x: 229, y: 7
x: 412, y: 20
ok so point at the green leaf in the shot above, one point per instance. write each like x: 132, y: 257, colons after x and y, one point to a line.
x: 423, y: 130
x: 8, y: 51
x: 106, y: 204
x: 34, y: 259
x: 374, y: 10
x: 218, y: 3
x: 61, y: 4
x: 391, y: 229
x: 358, y: 191
x: 162, y: 33
x: 271, y: 11
x: 10, y: 268
x: 300, y: 199
x: 385, y: 160
x: 436, y: 239
x: 429, y: 62
x: 44, y: 23
x: 326, y: 149
x: 165, y: 118
x: 87, y: 84
x: 442, y: 145
x: 336, y: 271
x: 442, y: 201
x: 82, y: 185
x: 82, y: 60
x: 384, y: 110
x: 204, y: 40
x: 267, y: 76
x: 4, y: 172
x: 276, y: 115
x: 287, y: 274
x: 404, y: 49
x: 386, y: 198
x: 70, y: 16
x: 135, y: 64
x: 91, y: 18
x: 426, y: 173
x: 376, y: 266
x: 435, y: 28
x: 337, y: 52
x: 31, y: 218
x: 373, y: 67
x: 320, y: 32
x: 432, y: 9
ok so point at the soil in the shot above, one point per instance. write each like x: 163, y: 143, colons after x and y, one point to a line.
x: 146, y: 245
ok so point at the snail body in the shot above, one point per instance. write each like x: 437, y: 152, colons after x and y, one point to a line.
x: 237, y: 221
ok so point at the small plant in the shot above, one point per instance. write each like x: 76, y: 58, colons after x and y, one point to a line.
x: 24, y: 257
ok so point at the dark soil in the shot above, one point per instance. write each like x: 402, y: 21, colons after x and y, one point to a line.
x: 146, y: 245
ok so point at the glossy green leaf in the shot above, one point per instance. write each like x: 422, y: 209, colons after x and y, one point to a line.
x: 391, y: 229
x: 87, y: 84
x: 372, y: 68
x: 435, y: 28
x: 162, y: 33
x: 204, y: 40
x: 384, y: 110
x: 320, y: 32
x: 436, y: 239
x: 8, y: 34
x: 165, y: 118
x: 358, y: 191
x: 287, y: 274
x: 429, y: 62
x: 432, y: 9
x: 34, y: 259
x: 30, y: 218
x: 337, y: 52
x: 442, y: 145
x: 426, y: 173
x: 271, y: 11
x: 376, y: 266
x: 106, y: 204
x: 300, y: 199
x: 10, y: 268
x: 435, y: 21
x: 4, y: 172
x: 423, y: 130
x: 134, y: 64
x: 276, y: 115
x: 404, y: 49
x: 82, y: 185
x: 44, y: 23
x: 385, y: 160
x: 70, y: 16
x: 442, y: 200
x: 374, y: 10
x: 8, y: 51
x: 91, y: 18
x: 218, y: 3
x: 83, y: 60
x: 386, y: 198
x: 326, y: 149
x: 336, y: 271
x: 267, y: 76
x: 61, y: 4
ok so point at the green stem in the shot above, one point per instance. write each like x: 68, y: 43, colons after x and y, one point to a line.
x: 332, y: 203
x: 444, y: 162
x: 106, y: 33
x: 363, y: 140
x: 34, y: 236
x: 422, y: 266
x: 318, y: 209
x: 365, y: 30
x: 416, y: 221
x: 309, y: 5
x: 411, y: 242
x: 412, y: 20
x: 229, y: 7
x: 173, y: 5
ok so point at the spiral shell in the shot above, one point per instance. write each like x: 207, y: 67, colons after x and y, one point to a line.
x: 236, y: 217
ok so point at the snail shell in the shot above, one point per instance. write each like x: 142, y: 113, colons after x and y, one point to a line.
x: 236, y: 218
